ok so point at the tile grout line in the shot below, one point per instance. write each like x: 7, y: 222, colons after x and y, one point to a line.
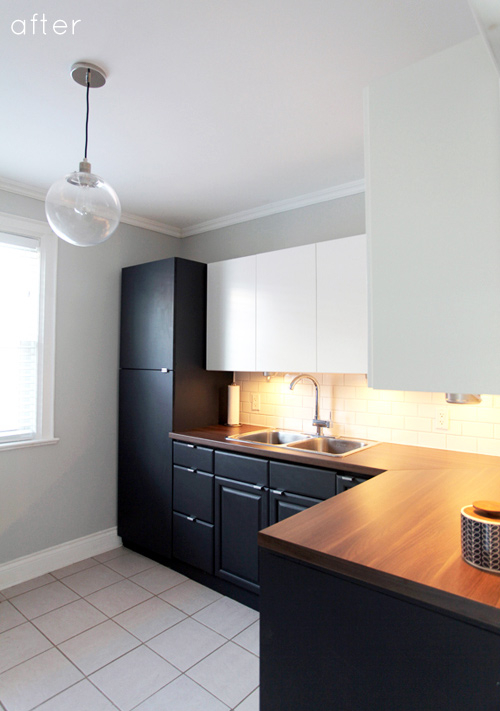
x: 140, y: 642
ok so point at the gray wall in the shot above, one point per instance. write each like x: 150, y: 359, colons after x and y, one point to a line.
x: 57, y: 493
x: 327, y: 220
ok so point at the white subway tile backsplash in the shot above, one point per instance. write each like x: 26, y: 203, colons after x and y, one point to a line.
x: 478, y: 429
x: 489, y: 414
x: 394, y: 422
x: 431, y: 439
x: 464, y: 413
x: 489, y: 446
x: 366, y: 418
x: 382, y: 408
x: 359, y: 411
x: 381, y: 434
x: 425, y: 410
x: 349, y: 393
x: 461, y: 444
x: 407, y: 409
x: 404, y: 437
x: 421, y: 424
x: 355, y: 379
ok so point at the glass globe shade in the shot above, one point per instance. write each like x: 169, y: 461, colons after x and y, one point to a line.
x: 82, y: 209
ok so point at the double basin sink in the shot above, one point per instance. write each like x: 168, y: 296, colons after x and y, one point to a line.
x: 330, y: 446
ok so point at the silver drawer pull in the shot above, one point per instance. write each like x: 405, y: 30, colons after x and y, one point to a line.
x: 347, y: 478
x: 278, y: 492
x: 191, y: 518
x: 259, y: 487
x: 191, y: 446
x: 193, y: 471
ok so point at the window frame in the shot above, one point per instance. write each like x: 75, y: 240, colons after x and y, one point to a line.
x: 28, y: 227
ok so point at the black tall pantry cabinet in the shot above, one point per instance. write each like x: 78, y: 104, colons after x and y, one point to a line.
x: 163, y: 387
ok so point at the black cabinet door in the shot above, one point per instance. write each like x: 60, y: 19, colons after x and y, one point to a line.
x: 241, y: 510
x: 282, y: 505
x: 347, y: 481
x: 144, y: 460
x: 147, y: 316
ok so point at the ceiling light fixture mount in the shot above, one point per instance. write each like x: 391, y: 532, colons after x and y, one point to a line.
x: 82, y: 208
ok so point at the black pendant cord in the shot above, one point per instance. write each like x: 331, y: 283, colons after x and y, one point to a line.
x: 87, y: 118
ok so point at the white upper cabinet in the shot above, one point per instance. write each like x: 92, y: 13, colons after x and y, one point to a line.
x: 342, y: 306
x: 433, y: 217
x: 231, y: 315
x: 292, y: 310
x: 286, y: 310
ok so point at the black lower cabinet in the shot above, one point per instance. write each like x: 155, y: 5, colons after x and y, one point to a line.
x: 283, y: 504
x: 193, y: 503
x: 294, y: 488
x: 221, y: 500
x: 348, y: 481
x: 241, y: 510
x: 329, y: 642
x: 193, y: 541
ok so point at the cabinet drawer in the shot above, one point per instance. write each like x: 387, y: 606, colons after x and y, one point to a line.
x: 347, y: 481
x: 307, y: 481
x: 193, y: 542
x: 194, y: 493
x: 241, y: 468
x: 193, y: 456
x: 283, y: 505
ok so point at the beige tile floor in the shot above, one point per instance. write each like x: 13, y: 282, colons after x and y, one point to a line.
x: 119, y: 631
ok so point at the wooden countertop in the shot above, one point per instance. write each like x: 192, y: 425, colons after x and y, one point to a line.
x: 369, y: 462
x: 399, y: 531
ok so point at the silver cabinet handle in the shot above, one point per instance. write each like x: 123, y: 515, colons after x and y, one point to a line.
x: 191, y: 446
x: 191, y: 518
x: 259, y: 487
x: 193, y: 471
x: 278, y: 492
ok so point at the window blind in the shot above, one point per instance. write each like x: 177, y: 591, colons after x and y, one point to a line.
x: 19, y: 337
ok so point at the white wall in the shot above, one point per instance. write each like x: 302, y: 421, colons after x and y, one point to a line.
x: 57, y: 493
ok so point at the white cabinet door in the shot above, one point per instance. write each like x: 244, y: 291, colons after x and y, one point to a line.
x: 342, y: 305
x: 433, y: 218
x: 231, y: 315
x: 286, y: 310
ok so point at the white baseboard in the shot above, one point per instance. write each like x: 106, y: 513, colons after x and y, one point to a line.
x: 31, y: 566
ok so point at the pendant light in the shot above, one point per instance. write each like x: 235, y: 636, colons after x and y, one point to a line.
x: 82, y: 208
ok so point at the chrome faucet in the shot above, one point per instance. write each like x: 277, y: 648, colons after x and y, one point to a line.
x: 319, y: 424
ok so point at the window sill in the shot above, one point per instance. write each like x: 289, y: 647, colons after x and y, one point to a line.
x: 28, y: 443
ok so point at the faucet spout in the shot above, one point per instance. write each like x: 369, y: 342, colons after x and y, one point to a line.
x: 319, y: 424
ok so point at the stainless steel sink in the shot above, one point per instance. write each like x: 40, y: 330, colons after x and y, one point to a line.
x: 330, y: 446
x: 333, y: 446
x: 274, y: 437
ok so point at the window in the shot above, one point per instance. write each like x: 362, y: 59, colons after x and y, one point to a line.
x: 28, y: 253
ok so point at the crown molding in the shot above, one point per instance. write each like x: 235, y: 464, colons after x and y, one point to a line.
x: 333, y: 193
x: 338, y: 191
x: 13, y: 186
x: 153, y: 225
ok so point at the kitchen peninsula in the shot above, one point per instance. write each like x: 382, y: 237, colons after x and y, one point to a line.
x: 365, y: 599
x: 367, y: 603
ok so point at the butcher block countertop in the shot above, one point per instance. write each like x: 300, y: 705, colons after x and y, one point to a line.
x: 399, y: 531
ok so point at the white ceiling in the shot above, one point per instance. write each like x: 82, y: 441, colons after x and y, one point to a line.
x: 212, y: 107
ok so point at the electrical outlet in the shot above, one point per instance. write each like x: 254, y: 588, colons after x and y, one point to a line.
x: 442, y: 420
x: 256, y: 402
